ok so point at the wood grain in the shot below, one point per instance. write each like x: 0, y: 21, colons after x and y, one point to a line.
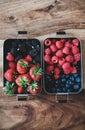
x: 40, y: 17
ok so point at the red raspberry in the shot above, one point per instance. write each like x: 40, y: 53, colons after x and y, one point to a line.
x: 66, y: 50
x: 50, y: 68
x: 67, y: 68
x: 12, y: 64
x: 53, y: 48
x: 59, y: 53
x: 59, y: 44
x: 63, y: 40
x: 28, y: 58
x: 75, y: 49
x: 48, y: 51
x: 47, y: 42
x: 56, y: 76
x: 77, y: 57
x: 67, y: 71
x: 76, y: 42
x: 57, y: 71
x: 51, y: 63
x: 47, y: 58
x: 54, y: 59
x: 68, y: 44
x: 75, y: 62
x: 61, y: 61
x: 69, y: 58
x: 73, y: 70
x: 10, y: 57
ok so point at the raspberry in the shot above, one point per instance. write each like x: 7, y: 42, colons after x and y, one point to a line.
x: 59, y: 53
x: 69, y: 58
x: 10, y: 57
x: 47, y: 58
x: 68, y: 44
x: 57, y: 71
x: 59, y: 44
x: 48, y: 51
x: 67, y: 71
x: 53, y: 48
x: 49, y: 68
x: 77, y: 57
x: 61, y: 61
x: 28, y: 58
x: 56, y: 76
x: 67, y: 68
x: 47, y: 42
x: 75, y: 50
x: 66, y: 50
x: 12, y: 64
x: 54, y: 59
x: 73, y: 70
x: 76, y: 42
x: 63, y: 40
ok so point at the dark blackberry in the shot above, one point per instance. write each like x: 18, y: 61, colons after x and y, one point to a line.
x: 18, y: 58
x: 33, y: 52
x: 21, y: 47
x: 13, y: 51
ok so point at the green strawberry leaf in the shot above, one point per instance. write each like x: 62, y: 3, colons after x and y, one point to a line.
x: 23, y: 64
x: 33, y: 85
x: 37, y: 71
x: 24, y: 82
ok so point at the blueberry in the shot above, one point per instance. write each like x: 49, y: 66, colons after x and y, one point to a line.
x: 76, y: 86
x: 67, y: 85
x: 78, y: 79
x: 63, y: 80
x: 75, y: 75
x: 67, y: 76
x: 69, y: 82
x: 72, y: 78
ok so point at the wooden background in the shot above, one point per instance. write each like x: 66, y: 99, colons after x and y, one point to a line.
x: 42, y: 18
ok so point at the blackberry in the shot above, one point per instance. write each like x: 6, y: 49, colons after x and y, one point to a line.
x: 33, y: 52
x: 18, y: 58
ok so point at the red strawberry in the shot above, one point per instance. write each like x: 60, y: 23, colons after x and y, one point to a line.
x: 59, y: 53
x: 48, y: 51
x: 23, y: 80
x: 66, y: 50
x: 53, y: 48
x: 47, y: 42
x: 12, y: 64
x: 73, y: 70
x: 77, y: 57
x: 56, y: 76
x: 54, y: 59
x: 59, y: 44
x: 76, y: 42
x: 35, y: 72
x: 9, y: 75
x: 28, y: 58
x: 47, y: 58
x: 10, y: 57
x: 68, y: 44
x: 57, y: 71
x: 69, y: 58
x: 61, y: 61
x: 20, y: 90
x: 22, y: 66
x: 75, y: 50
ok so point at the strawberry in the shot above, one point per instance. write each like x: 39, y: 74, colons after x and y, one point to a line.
x: 47, y: 58
x: 28, y: 58
x: 68, y: 44
x: 47, y: 51
x: 77, y: 57
x: 12, y: 64
x: 57, y: 71
x: 75, y: 50
x: 34, y: 88
x: 23, y: 80
x: 66, y: 50
x: 61, y: 61
x: 53, y: 48
x: 76, y: 42
x: 10, y: 57
x: 9, y: 75
x: 47, y: 42
x: 22, y: 66
x: 54, y: 59
x: 73, y: 70
x: 69, y: 58
x: 20, y: 89
x: 59, y: 53
x: 35, y: 72
x: 59, y: 44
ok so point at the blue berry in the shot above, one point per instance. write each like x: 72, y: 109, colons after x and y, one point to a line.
x: 76, y: 86
x: 78, y: 79
x: 67, y: 85
x: 63, y: 80
x: 72, y: 78
x: 75, y: 75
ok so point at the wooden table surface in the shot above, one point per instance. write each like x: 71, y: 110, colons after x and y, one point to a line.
x: 42, y: 18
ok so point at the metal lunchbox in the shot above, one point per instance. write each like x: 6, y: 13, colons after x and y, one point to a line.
x: 62, y: 64
x: 22, y: 69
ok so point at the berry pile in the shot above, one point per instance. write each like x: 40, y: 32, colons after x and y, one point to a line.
x: 22, y: 66
x: 62, y: 58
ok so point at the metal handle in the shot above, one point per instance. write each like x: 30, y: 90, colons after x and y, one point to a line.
x: 21, y: 34
x: 62, y: 98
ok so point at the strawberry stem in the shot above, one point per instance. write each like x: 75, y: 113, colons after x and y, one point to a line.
x: 23, y: 64
x: 37, y: 71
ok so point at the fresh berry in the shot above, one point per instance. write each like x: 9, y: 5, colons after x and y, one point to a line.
x: 78, y: 79
x: 47, y: 58
x: 47, y: 42
x: 66, y: 68
x: 49, y: 68
x: 20, y: 90
x: 47, y: 51
x: 28, y: 58
x: 75, y: 50
x: 57, y: 71
x: 76, y: 42
x: 76, y: 86
x: 54, y: 59
x: 56, y: 76
x: 10, y: 57
x: 23, y: 80
x: 59, y: 53
x: 9, y: 75
x: 68, y: 44
x: 66, y: 50
x: 69, y: 58
x: 53, y: 48
x: 61, y: 61
x: 63, y: 40
x: 73, y: 70
x: 59, y: 44
x: 12, y: 64
x: 77, y: 57
x: 22, y: 66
